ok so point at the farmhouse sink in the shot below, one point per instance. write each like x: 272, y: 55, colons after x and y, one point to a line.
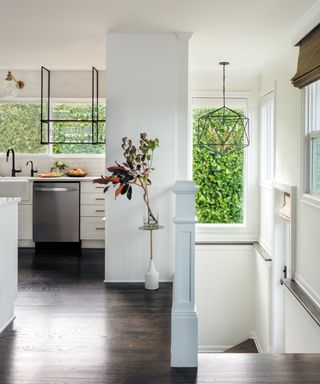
x: 15, y: 187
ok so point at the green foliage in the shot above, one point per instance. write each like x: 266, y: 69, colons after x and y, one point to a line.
x: 136, y: 170
x: 220, y: 181
x: 81, y: 131
x: 20, y: 127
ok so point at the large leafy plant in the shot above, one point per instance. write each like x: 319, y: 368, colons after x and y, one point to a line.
x: 135, y: 170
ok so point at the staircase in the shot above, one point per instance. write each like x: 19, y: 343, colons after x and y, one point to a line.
x: 247, y: 346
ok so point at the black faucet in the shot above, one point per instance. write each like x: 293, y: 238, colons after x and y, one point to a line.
x: 14, y: 170
x: 32, y: 171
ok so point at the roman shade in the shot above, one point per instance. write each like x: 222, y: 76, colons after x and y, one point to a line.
x: 308, y: 69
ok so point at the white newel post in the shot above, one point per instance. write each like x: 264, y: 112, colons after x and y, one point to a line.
x: 184, y: 324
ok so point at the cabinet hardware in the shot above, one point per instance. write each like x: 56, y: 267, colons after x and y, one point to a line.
x: 99, y: 210
x: 99, y: 187
x: 99, y: 198
x: 97, y: 228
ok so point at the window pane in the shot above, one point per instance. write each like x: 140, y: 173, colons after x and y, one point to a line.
x: 220, y: 181
x: 20, y: 127
x: 76, y: 131
x: 316, y: 164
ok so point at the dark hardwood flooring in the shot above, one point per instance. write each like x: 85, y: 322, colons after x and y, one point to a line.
x: 72, y: 328
x: 247, y: 346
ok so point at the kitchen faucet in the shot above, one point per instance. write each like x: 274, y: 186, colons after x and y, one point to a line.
x: 32, y: 171
x: 14, y: 170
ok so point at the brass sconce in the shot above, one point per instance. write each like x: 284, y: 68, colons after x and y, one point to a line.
x: 19, y: 83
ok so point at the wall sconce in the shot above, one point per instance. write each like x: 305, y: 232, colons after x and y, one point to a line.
x: 12, y: 85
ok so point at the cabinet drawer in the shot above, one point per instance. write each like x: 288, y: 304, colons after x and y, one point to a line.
x: 92, y: 228
x: 89, y: 187
x: 92, y: 210
x: 92, y: 198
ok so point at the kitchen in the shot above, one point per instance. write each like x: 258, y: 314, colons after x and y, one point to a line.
x: 22, y: 173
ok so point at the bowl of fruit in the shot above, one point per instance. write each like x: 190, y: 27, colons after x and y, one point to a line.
x: 76, y: 172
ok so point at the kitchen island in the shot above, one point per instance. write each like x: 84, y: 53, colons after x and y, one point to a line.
x: 8, y: 258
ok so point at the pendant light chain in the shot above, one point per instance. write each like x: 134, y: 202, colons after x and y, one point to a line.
x: 224, y: 63
x: 224, y: 85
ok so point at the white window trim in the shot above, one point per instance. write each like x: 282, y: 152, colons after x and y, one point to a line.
x: 48, y: 153
x: 269, y: 93
x: 248, y: 230
x: 307, y: 196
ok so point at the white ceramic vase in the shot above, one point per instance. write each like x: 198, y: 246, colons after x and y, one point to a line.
x: 151, y: 277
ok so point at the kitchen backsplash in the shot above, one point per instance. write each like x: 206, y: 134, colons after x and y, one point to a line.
x: 94, y: 166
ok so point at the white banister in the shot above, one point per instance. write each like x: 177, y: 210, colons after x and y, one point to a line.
x: 184, y: 319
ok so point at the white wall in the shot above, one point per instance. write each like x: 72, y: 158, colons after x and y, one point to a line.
x: 143, y: 94
x: 209, y: 81
x: 288, y: 146
x: 301, y: 332
x: 224, y: 295
x: 65, y: 84
x: 262, y: 286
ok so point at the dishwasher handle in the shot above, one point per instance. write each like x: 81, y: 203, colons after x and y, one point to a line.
x: 54, y: 189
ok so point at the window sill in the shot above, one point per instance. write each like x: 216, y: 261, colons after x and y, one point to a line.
x: 224, y: 232
x: 310, y: 199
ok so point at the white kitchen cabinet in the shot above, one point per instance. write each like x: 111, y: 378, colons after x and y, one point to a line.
x: 8, y: 259
x: 92, y: 198
x: 92, y: 210
x: 25, y: 222
x: 92, y: 228
x: 89, y: 187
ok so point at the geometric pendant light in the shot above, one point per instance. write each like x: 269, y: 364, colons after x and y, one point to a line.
x: 223, y: 130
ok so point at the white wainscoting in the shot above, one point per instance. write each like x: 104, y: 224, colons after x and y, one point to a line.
x: 224, y: 295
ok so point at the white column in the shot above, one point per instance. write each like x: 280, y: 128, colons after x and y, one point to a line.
x: 183, y: 134
x: 184, y: 324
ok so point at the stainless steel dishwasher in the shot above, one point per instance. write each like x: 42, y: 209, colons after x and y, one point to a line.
x: 56, y: 211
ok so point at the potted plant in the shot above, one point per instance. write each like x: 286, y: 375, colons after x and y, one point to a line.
x: 59, y: 165
x: 135, y: 170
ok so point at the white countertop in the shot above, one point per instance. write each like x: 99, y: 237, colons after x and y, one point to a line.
x: 62, y: 178
x: 9, y: 200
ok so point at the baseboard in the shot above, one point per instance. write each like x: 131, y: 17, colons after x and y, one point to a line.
x: 7, y: 323
x: 133, y: 281
x: 25, y: 244
x: 255, y: 338
x: 213, y: 348
x: 93, y: 244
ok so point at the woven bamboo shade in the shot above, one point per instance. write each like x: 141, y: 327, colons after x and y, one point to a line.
x: 308, y: 70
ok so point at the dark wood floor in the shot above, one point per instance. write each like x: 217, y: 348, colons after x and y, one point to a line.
x: 71, y: 328
x: 247, y: 346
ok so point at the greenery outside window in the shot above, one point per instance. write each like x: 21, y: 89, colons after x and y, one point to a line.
x: 220, y: 179
x: 76, y: 111
x: 20, y: 127
x: 311, y: 148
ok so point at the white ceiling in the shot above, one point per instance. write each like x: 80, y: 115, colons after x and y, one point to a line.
x: 70, y: 34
